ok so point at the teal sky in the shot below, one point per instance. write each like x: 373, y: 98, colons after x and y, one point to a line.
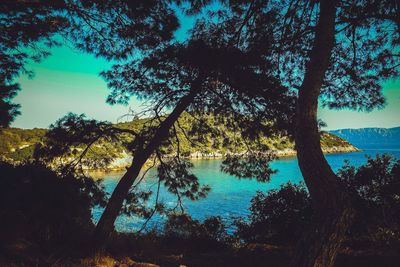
x: 387, y: 117
x: 68, y: 81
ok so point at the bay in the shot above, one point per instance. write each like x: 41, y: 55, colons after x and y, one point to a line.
x: 229, y: 197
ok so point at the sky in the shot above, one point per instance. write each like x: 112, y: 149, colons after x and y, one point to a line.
x: 69, y: 81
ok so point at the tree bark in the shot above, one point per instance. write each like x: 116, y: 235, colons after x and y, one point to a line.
x: 333, y: 211
x: 105, y: 226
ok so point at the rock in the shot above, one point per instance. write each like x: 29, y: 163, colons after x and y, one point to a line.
x: 144, y: 264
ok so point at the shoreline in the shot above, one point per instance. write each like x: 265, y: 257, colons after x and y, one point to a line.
x: 281, y: 154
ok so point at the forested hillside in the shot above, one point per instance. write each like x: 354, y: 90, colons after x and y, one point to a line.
x: 215, y: 139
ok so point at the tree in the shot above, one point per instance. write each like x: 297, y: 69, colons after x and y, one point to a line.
x: 338, y: 52
x: 195, y: 70
x: 111, y: 29
x: 331, y: 202
x: 167, y: 73
x: 183, y: 76
x: 286, y: 212
x: 251, y: 59
x: 27, y: 28
x: 117, y: 30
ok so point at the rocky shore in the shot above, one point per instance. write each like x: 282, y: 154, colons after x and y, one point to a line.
x: 125, y: 161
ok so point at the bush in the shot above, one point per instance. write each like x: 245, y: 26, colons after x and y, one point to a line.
x: 378, y: 186
x: 43, y: 207
x: 190, y: 233
x: 278, y: 216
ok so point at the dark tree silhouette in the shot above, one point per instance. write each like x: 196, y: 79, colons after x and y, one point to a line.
x: 377, y: 185
x: 45, y: 207
x: 338, y: 52
x: 26, y: 29
x: 333, y: 207
x: 192, y: 72
x: 116, y: 30
x: 111, y: 29
x: 332, y: 204
x: 278, y: 216
x: 286, y: 212
x: 152, y: 67
x: 186, y: 77
x: 249, y: 60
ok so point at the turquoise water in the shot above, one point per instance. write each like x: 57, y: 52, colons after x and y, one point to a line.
x: 230, y: 197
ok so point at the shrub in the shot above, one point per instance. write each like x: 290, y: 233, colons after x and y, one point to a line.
x: 378, y: 186
x: 278, y: 216
x: 44, y: 207
x: 190, y: 233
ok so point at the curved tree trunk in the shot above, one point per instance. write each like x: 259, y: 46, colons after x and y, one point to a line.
x: 105, y: 226
x: 333, y: 212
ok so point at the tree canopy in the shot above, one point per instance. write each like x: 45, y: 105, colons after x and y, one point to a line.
x: 264, y: 64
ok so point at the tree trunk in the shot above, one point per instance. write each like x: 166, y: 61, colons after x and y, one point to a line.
x: 333, y: 211
x: 105, y: 226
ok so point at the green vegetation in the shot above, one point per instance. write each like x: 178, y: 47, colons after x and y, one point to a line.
x: 329, y: 140
x: 47, y: 208
x: 280, y: 216
x: 208, y: 137
x: 18, y: 144
x: 47, y: 222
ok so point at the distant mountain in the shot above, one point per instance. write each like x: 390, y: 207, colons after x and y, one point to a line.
x: 370, y: 136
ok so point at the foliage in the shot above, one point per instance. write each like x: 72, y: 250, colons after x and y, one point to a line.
x: 14, y: 139
x: 112, y: 29
x: 176, y: 177
x: 28, y: 31
x: 180, y: 227
x: 73, y: 136
x: 365, y: 52
x: 280, y: 216
x: 246, y: 62
x: 329, y: 140
x: 44, y: 207
x: 249, y: 166
x: 137, y: 203
x: 212, y: 135
x: 378, y: 187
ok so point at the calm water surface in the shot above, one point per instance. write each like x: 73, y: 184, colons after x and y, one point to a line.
x: 230, y: 197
